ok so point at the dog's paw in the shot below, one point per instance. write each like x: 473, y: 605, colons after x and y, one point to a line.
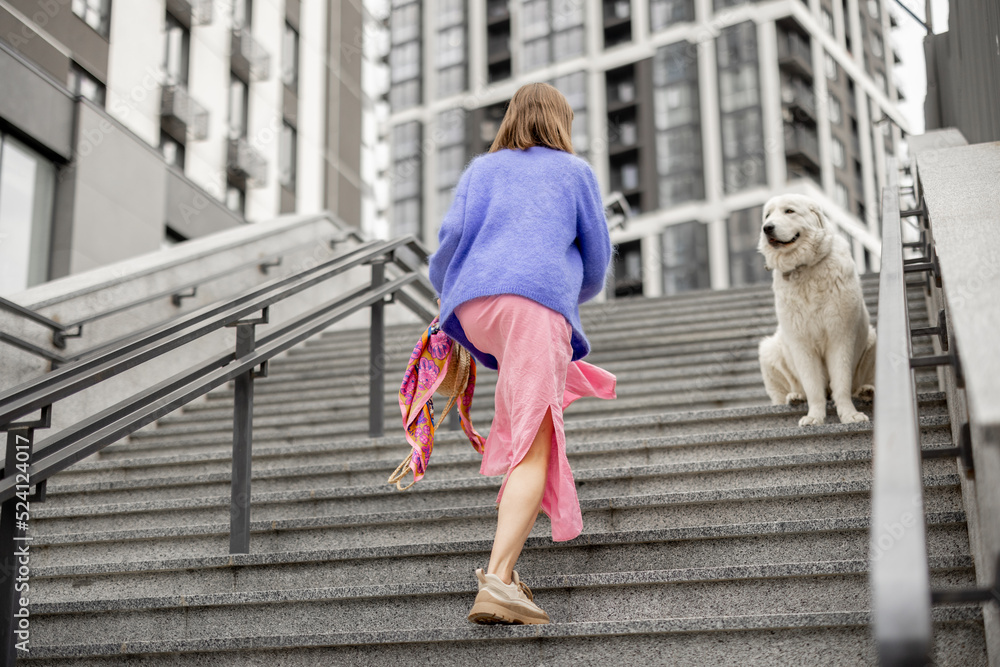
x: 810, y: 420
x: 857, y: 417
x: 866, y: 392
x: 795, y: 398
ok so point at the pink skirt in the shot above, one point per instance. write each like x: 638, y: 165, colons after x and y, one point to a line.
x: 532, y: 346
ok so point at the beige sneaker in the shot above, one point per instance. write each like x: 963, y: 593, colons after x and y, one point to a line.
x: 498, y: 602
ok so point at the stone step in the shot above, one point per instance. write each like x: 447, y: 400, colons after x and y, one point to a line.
x: 276, y: 501
x: 342, y: 465
x: 727, y: 546
x: 816, y: 588
x: 584, y: 428
x: 681, y: 512
x: 840, y: 637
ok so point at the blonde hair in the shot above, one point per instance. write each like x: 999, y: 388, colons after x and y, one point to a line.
x: 538, y: 115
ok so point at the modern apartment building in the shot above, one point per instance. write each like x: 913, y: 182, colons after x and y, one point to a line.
x: 128, y: 124
x: 696, y: 111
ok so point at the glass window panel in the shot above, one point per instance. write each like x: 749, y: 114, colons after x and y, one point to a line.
x: 94, y: 13
x: 678, y: 150
x: 675, y: 63
x: 737, y: 44
x: 746, y: 265
x: 176, y: 49
x: 405, y: 23
x: 450, y: 12
x: 836, y: 112
x: 831, y: 67
x: 574, y: 87
x: 85, y: 85
x: 404, y: 61
x: 685, y: 258
x: 237, y: 107
x: 827, y: 20
x: 738, y: 88
x: 404, y: 95
x: 664, y: 13
x: 451, y: 80
x: 581, y: 143
x: 287, y: 152
x: 242, y: 12
x: 837, y: 152
x: 451, y: 127
x: 290, y: 57
x: 567, y: 14
x: 451, y: 46
x: 451, y: 160
x: 406, y: 179
x: 534, y: 19
x: 676, y: 105
x: 27, y: 192
x: 406, y: 218
x: 536, y: 54
x: 568, y: 44
x: 406, y: 140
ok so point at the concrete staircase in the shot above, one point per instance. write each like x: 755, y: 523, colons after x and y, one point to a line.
x: 716, y: 530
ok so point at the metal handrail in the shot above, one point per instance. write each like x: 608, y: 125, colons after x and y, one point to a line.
x: 60, y: 331
x: 27, y: 466
x: 899, y: 570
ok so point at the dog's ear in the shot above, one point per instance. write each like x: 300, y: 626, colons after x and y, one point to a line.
x: 820, y: 215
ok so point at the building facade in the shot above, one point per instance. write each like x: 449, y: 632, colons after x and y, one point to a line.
x: 128, y: 124
x: 696, y: 111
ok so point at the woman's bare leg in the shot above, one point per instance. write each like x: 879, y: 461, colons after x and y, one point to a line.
x: 520, y: 503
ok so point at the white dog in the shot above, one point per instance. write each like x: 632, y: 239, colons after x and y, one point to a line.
x: 824, y: 340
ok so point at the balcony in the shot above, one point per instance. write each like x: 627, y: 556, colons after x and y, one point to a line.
x: 801, y: 143
x: 245, y: 164
x: 249, y: 60
x: 794, y: 53
x: 191, y: 12
x: 181, y: 116
x: 799, y: 99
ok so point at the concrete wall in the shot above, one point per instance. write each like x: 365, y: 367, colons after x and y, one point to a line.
x: 302, y: 240
x: 41, y: 111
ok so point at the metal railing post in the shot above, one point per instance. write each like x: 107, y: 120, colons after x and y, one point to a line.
x: 376, y: 356
x: 12, y: 532
x: 239, y: 508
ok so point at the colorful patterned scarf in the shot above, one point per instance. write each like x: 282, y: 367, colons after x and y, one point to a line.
x: 425, y: 371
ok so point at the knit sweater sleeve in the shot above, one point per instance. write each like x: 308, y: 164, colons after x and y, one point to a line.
x: 592, y: 236
x: 450, y: 234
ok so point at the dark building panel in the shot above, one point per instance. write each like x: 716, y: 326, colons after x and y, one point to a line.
x: 41, y: 111
x: 35, y: 48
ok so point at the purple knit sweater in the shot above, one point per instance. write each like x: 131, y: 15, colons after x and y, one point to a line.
x: 529, y: 223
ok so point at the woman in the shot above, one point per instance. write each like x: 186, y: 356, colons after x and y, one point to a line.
x: 524, y: 243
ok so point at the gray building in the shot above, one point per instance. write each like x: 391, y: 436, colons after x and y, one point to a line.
x: 127, y: 125
x: 696, y: 111
x: 963, y: 72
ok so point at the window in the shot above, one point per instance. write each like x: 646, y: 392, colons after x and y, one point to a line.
x: 406, y: 179
x: 677, y: 122
x: 665, y: 13
x: 290, y: 57
x: 242, y: 13
x: 739, y: 102
x: 27, y: 194
x: 628, y: 269
x: 451, y: 51
x: 836, y: 111
x: 172, y: 151
x: 840, y: 195
x: 873, y: 9
x: 177, y: 49
x: 746, y: 265
x: 82, y: 83
x: 574, y: 87
x: 837, y: 153
x: 827, y: 19
x: 685, y: 258
x: 831, y: 67
x: 451, y: 155
x: 95, y: 14
x: 552, y: 31
x: 287, y: 156
x: 404, y: 57
x: 236, y: 199
x: 878, y: 49
x: 239, y: 101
